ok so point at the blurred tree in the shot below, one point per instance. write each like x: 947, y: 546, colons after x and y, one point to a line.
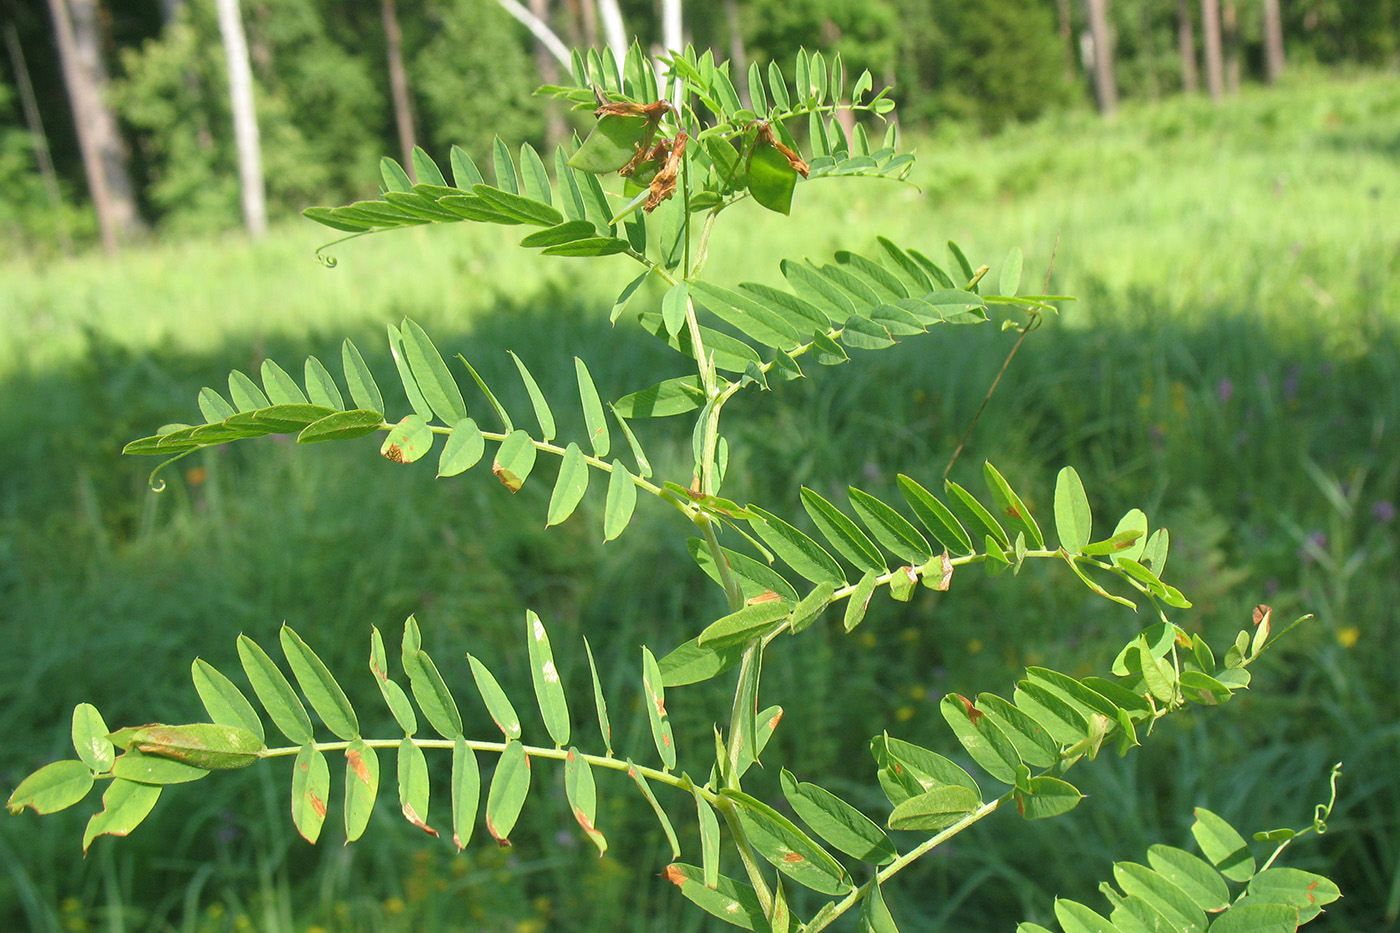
x: 988, y: 61
x: 1105, y: 88
x: 1186, y: 47
x: 1215, y: 67
x: 1230, y: 33
x: 104, y: 154
x: 319, y: 111
x: 1273, y: 41
x: 474, y: 70
x: 252, y: 190
x: 398, y: 84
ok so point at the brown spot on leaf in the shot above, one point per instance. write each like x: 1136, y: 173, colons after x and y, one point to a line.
x: 675, y: 875
x: 767, y: 596
x: 357, y: 764
x: 777, y: 718
x: 412, y: 816
x: 973, y: 712
x: 1262, y: 613
x: 766, y: 137
x: 664, y: 184
x: 508, y: 479
x: 394, y: 453
x: 317, y: 804
x: 1020, y: 804
x: 1013, y: 512
x: 793, y: 857
x: 947, y: 576
x: 584, y: 821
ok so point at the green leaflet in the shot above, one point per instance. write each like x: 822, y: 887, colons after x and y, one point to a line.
x: 654, y: 695
x: 859, y: 601
x: 497, y: 703
x: 414, y: 789
x: 464, y: 447
x: 788, y: 848
x: 974, y: 514
x: 842, y: 532
x: 771, y: 178
x: 245, y: 393
x: 224, y: 702
x: 612, y: 143
x: 1074, y: 917
x: 275, y: 693
x: 1032, y: 742
x: 1258, y: 918
x: 428, y: 687
x: 730, y: 900
x: 510, y: 785
x: 982, y: 738
x: 327, y: 698
x: 1167, y: 898
x: 363, y: 389
x: 56, y: 786
x: 416, y: 400
x: 621, y: 501
x: 583, y: 798
x: 281, y: 388
x: 1074, y: 522
x: 593, y: 418
x: 934, y: 809
x: 890, y: 528
x: 202, y: 745
x: 1196, y: 877
x: 839, y: 823
x: 748, y: 622
x: 1222, y: 846
x: 311, y: 785
x: 874, y: 915
x: 549, y: 691
x: 89, y: 733
x: 689, y: 663
x: 1047, y: 797
x: 604, y: 726
x: 669, y: 397
x: 409, y: 440
x: 343, y: 425
x: 518, y: 208
x: 936, y: 517
x: 543, y: 414
x: 466, y: 791
x: 394, y: 697
x: 515, y: 458
x: 569, y: 487
x: 361, y: 787
x: 124, y: 805
x: 431, y: 375
x: 1012, y: 507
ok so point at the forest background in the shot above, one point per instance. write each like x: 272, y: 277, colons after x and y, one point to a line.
x: 1220, y: 178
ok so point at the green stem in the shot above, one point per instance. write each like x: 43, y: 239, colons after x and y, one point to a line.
x: 752, y: 867
x: 533, y: 751
x: 905, y: 860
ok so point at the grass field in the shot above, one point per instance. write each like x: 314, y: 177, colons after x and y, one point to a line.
x: 1232, y: 367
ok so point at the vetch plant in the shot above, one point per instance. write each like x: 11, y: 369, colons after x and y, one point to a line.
x: 682, y: 164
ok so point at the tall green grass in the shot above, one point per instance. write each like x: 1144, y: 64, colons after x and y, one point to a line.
x: 1231, y: 367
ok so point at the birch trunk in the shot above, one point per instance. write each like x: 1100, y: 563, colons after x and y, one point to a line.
x: 398, y: 85
x: 1186, y: 45
x: 245, y: 118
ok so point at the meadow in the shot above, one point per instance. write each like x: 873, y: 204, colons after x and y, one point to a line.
x: 1232, y: 366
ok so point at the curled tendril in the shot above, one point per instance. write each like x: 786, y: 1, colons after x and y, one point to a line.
x: 330, y: 262
x: 157, y: 484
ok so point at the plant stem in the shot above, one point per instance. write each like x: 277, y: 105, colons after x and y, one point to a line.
x: 559, y: 754
x: 751, y: 865
x: 908, y: 858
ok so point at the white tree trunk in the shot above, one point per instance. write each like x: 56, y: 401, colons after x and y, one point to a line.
x: 673, y: 38
x: 540, y: 30
x: 245, y: 118
x: 398, y: 85
x: 614, y: 32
